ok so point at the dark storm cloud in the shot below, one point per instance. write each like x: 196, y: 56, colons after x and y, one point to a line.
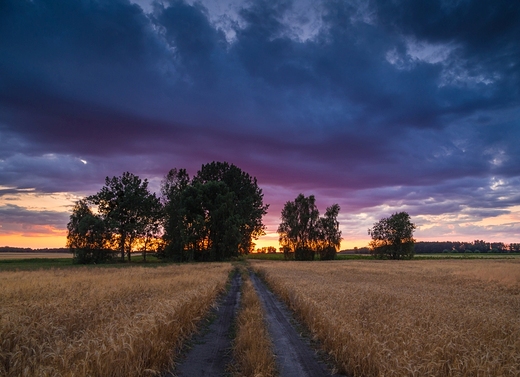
x: 386, y: 102
x: 482, y: 26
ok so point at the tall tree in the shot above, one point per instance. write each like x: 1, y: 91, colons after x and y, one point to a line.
x: 392, y: 237
x: 215, y: 219
x: 88, y: 237
x: 329, y: 233
x: 173, y: 191
x: 248, y: 207
x: 214, y: 216
x: 298, y: 231
x: 127, y: 208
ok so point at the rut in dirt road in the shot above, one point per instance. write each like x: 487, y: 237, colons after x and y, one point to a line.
x: 212, y: 351
x: 294, y: 358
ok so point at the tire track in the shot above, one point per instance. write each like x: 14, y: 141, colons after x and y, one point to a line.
x: 212, y: 351
x: 294, y: 357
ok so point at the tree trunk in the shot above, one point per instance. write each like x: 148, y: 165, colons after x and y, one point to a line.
x: 129, y: 252
x: 122, y: 247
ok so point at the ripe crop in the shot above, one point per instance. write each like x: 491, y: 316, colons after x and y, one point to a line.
x: 408, y: 318
x: 252, y: 346
x: 102, y: 321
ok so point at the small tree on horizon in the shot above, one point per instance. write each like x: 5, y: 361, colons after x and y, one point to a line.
x: 302, y: 233
x: 392, y: 237
x: 329, y: 233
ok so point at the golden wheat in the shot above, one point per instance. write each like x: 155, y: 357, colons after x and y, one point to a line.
x: 253, y: 351
x: 102, y: 321
x: 408, y: 318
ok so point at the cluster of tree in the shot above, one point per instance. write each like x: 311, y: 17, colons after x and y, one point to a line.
x: 213, y: 216
x: 392, y: 237
x: 266, y: 250
x: 477, y: 246
x: 514, y: 247
x: 304, y: 234
x: 122, y: 216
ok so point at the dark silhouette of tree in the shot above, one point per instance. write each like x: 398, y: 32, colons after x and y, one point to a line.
x: 127, y: 209
x: 329, y: 233
x: 214, y: 216
x: 392, y: 237
x: 212, y: 227
x: 303, y: 233
x: 173, y: 190
x: 298, y: 231
x: 514, y: 247
x: 248, y: 207
x: 88, y: 237
x: 480, y: 246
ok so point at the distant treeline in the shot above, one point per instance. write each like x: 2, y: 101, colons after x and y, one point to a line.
x: 477, y: 246
x: 9, y: 249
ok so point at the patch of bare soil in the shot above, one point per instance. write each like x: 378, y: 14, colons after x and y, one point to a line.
x: 211, y: 352
x: 294, y: 356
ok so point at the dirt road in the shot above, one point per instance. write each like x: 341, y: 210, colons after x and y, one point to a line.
x: 294, y: 357
x: 211, y: 352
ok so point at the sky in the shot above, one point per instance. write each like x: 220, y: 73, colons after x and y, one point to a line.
x: 380, y: 106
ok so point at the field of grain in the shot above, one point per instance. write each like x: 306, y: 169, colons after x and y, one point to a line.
x: 22, y: 255
x: 252, y: 348
x: 102, y: 321
x: 408, y: 318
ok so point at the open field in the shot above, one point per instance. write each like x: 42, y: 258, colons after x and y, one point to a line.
x: 468, y: 256
x: 38, y: 263
x: 102, y: 322
x: 28, y: 255
x: 408, y: 318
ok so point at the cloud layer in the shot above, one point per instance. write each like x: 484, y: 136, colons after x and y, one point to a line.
x: 379, y: 106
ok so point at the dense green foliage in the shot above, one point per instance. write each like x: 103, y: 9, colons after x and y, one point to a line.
x: 392, y: 237
x: 302, y: 233
x: 213, y: 216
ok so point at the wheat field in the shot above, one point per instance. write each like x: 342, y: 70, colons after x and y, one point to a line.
x: 31, y: 255
x: 408, y: 318
x: 102, y: 321
x: 252, y: 347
